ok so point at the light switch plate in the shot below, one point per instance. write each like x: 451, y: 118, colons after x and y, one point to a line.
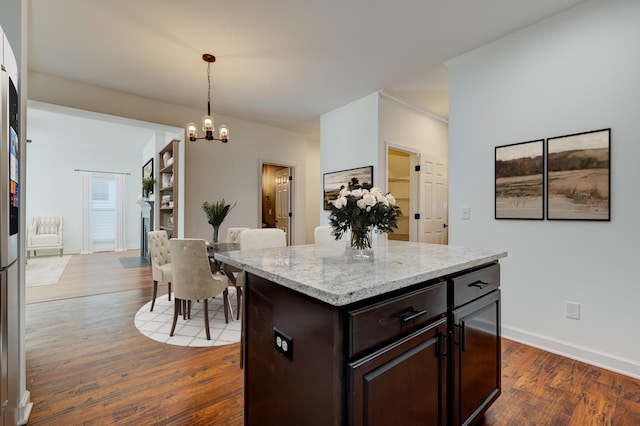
x: 466, y: 213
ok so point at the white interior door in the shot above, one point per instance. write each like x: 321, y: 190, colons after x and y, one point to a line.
x: 433, y: 200
x: 283, y: 196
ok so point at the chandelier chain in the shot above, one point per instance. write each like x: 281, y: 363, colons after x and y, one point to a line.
x: 209, y: 81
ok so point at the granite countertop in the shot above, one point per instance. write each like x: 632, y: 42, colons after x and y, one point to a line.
x: 336, y: 277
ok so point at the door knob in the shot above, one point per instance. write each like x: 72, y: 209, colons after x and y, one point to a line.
x: 445, y: 225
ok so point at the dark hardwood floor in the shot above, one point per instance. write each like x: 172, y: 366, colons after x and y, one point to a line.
x: 87, y: 364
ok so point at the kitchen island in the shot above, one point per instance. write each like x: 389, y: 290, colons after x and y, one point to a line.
x: 408, y: 336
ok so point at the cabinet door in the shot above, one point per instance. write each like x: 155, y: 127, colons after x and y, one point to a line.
x: 403, y: 383
x: 476, y: 358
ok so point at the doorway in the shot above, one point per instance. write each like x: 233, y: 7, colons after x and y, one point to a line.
x: 399, y: 184
x: 419, y: 183
x: 276, y: 198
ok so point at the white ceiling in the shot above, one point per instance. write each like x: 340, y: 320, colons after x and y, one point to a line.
x: 279, y: 62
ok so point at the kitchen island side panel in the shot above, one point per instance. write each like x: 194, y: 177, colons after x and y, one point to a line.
x: 306, y: 389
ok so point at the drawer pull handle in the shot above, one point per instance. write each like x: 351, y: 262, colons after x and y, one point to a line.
x: 411, y: 314
x: 480, y: 284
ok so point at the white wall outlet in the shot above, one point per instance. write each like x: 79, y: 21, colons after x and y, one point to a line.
x: 466, y: 213
x: 572, y: 310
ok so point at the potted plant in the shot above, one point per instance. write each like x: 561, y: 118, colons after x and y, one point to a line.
x: 216, y: 213
x: 147, y: 186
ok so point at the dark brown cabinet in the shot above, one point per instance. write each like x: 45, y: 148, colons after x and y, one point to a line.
x: 475, y: 372
x: 402, y: 384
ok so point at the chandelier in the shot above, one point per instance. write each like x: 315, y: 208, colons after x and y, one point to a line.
x: 207, y: 120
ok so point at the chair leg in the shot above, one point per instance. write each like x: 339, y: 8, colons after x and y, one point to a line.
x: 155, y: 293
x: 169, y: 294
x: 176, y: 310
x: 206, y: 318
x: 225, y: 301
x: 184, y: 309
x: 238, y: 297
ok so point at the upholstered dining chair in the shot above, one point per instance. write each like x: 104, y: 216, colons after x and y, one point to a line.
x: 257, y: 239
x: 322, y: 235
x: 233, y: 234
x: 193, y: 279
x: 254, y: 239
x: 160, y: 262
x: 233, y: 237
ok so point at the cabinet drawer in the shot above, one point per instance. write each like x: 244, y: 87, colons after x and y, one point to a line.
x: 376, y: 324
x: 475, y: 284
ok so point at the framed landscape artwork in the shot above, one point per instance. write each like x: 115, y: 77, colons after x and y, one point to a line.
x: 519, y: 171
x: 334, y: 181
x: 579, y: 176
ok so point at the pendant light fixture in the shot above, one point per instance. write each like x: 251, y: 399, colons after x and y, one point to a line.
x: 207, y: 120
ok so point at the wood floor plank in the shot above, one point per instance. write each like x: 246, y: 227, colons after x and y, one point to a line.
x: 87, y: 364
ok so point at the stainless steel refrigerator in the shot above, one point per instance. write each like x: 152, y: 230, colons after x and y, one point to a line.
x: 9, y: 198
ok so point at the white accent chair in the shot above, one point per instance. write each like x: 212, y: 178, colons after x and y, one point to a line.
x: 45, y: 233
x: 160, y: 262
x: 193, y: 280
x: 233, y: 234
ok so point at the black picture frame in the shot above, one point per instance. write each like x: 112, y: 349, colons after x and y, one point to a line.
x: 147, y: 171
x: 519, y: 180
x: 579, y: 176
x: 334, y: 181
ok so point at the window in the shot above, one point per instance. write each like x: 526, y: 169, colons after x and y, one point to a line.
x: 103, y: 212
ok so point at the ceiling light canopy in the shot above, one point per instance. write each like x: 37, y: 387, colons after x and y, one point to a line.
x: 207, y: 121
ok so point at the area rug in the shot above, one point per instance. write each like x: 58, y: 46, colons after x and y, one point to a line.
x: 45, y: 270
x: 133, y: 262
x: 156, y: 325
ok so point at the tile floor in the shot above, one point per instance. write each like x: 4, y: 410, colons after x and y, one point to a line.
x: 157, y: 324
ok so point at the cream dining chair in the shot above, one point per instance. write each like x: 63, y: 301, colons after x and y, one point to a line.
x: 322, y: 235
x: 193, y: 279
x: 257, y: 239
x: 160, y: 262
x: 233, y: 234
x: 233, y: 237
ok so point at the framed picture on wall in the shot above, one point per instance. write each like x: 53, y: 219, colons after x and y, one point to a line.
x: 519, y: 186
x: 333, y: 182
x: 147, y: 173
x: 147, y: 169
x: 579, y: 176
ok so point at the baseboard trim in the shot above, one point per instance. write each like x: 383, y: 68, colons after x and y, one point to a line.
x: 625, y: 366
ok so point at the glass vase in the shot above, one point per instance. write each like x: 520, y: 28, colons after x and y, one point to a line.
x: 361, y: 241
x: 214, y: 239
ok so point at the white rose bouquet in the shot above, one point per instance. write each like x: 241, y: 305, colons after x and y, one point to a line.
x: 361, y: 209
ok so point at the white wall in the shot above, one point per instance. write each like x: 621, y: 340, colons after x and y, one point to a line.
x: 577, y: 71
x: 403, y: 126
x: 349, y: 139
x: 212, y: 170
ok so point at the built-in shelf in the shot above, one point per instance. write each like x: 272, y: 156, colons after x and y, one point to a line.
x: 168, y: 191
